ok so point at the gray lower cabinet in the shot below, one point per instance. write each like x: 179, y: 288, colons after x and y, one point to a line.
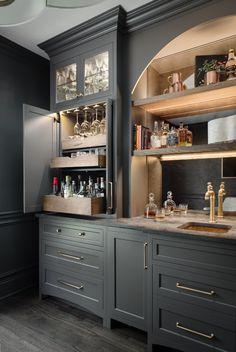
x: 127, y: 276
x: 193, y: 294
x: 72, y: 262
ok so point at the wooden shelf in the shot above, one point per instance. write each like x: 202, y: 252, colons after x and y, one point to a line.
x: 200, y: 100
x: 71, y: 205
x: 216, y: 150
x: 80, y: 161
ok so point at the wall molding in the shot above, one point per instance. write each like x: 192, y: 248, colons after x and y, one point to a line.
x: 98, y: 26
x: 158, y: 11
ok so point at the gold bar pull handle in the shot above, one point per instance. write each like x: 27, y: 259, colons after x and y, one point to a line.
x: 208, y: 293
x: 145, y: 255
x: 69, y: 256
x: 70, y: 285
x: 194, y: 331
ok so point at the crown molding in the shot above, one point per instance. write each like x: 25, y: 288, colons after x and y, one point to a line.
x: 106, y: 22
x: 158, y: 11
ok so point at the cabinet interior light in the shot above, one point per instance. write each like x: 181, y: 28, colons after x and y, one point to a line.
x: 204, y: 155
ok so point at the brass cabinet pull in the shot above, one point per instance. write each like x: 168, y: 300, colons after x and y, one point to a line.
x: 145, y: 255
x: 81, y: 234
x: 211, y: 293
x: 194, y: 331
x: 69, y: 256
x: 70, y: 285
x: 58, y: 230
x: 110, y: 207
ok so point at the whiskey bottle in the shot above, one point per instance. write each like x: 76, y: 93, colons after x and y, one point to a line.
x: 155, y: 138
x: 182, y: 135
x: 164, y: 133
x: 189, y: 137
x: 169, y: 203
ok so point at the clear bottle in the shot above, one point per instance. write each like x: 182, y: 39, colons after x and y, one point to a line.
x: 150, y: 208
x: 102, y: 187
x: 73, y: 188
x: 169, y: 203
x: 231, y: 65
x: 62, y: 188
x: 189, y: 137
x: 182, y: 135
x: 164, y: 134
x: 67, y: 189
x: 172, y: 138
x: 83, y: 192
x: 155, y: 139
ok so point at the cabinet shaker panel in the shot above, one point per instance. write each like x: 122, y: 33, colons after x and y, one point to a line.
x: 39, y: 147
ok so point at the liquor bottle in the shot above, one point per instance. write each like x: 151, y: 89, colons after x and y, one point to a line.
x: 231, y: 65
x: 155, y: 139
x: 55, y: 183
x: 169, y: 203
x: 102, y: 187
x: 172, y: 138
x: 182, y: 134
x: 83, y: 193
x: 150, y: 208
x: 67, y: 188
x: 189, y: 137
x: 90, y: 191
x: 62, y: 188
x: 73, y: 188
x: 164, y: 133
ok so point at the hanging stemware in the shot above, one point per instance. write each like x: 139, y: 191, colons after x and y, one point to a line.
x: 102, y: 126
x: 77, y: 127
x: 95, y: 126
x: 85, y: 125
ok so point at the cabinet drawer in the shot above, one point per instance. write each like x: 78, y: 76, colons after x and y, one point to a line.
x: 80, y: 289
x: 197, y: 329
x: 80, y: 233
x: 74, y: 257
x: 197, y: 251
x: 194, y: 284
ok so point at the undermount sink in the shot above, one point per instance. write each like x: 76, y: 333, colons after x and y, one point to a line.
x: 203, y: 227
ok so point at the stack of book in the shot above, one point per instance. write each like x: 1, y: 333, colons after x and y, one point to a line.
x: 141, y: 137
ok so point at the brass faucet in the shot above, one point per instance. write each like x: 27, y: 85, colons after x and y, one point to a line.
x: 210, y: 194
x: 221, y: 194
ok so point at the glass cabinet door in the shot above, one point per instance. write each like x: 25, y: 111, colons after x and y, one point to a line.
x: 96, y: 73
x: 66, y: 83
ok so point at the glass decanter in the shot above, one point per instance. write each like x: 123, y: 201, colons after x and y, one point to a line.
x: 150, y: 208
x: 169, y: 203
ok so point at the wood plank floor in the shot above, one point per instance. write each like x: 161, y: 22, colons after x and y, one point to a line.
x: 30, y: 325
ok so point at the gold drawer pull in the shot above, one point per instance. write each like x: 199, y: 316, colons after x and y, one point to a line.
x: 145, y: 255
x: 81, y: 234
x: 70, y: 256
x: 211, y: 293
x: 195, y: 332
x: 58, y: 230
x: 70, y: 285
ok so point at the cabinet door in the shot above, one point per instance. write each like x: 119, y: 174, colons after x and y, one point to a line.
x: 39, y: 147
x: 127, y: 277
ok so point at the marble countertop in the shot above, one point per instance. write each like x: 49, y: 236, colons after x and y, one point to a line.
x: 172, y: 224
x: 169, y: 224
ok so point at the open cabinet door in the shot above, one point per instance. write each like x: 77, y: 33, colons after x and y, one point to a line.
x: 40, y: 145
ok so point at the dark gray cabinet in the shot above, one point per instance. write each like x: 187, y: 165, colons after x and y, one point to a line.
x: 82, y: 78
x: 193, y: 289
x: 127, y: 276
x: 72, y: 262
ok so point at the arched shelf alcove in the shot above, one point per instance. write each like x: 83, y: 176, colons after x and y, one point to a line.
x: 196, y: 105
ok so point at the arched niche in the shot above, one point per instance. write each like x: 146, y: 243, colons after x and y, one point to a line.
x: 214, y: 37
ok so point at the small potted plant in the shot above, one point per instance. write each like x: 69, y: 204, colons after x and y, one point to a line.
x: 211, y: 70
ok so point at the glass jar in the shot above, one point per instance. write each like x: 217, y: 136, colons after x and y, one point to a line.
x: 150, y: 208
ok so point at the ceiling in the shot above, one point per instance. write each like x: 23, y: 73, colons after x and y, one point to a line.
x: 53, y: 21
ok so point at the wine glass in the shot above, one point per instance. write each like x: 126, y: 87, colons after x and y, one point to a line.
x: 102, y: 126
x: 77, y: 127
x: 85, y: 125
x: 95, y: 126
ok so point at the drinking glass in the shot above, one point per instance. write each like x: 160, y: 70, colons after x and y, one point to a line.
x: 95, y: 126
x: 102, y: 126
x: 77, y: 127
x: 85, y: 125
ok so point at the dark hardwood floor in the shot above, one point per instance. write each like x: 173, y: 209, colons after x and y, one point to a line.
x: 30, y: 325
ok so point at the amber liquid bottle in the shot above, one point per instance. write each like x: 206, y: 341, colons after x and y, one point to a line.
x: 182, y: 135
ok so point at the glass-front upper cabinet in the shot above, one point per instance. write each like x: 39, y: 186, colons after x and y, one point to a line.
x: 82, y: 78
